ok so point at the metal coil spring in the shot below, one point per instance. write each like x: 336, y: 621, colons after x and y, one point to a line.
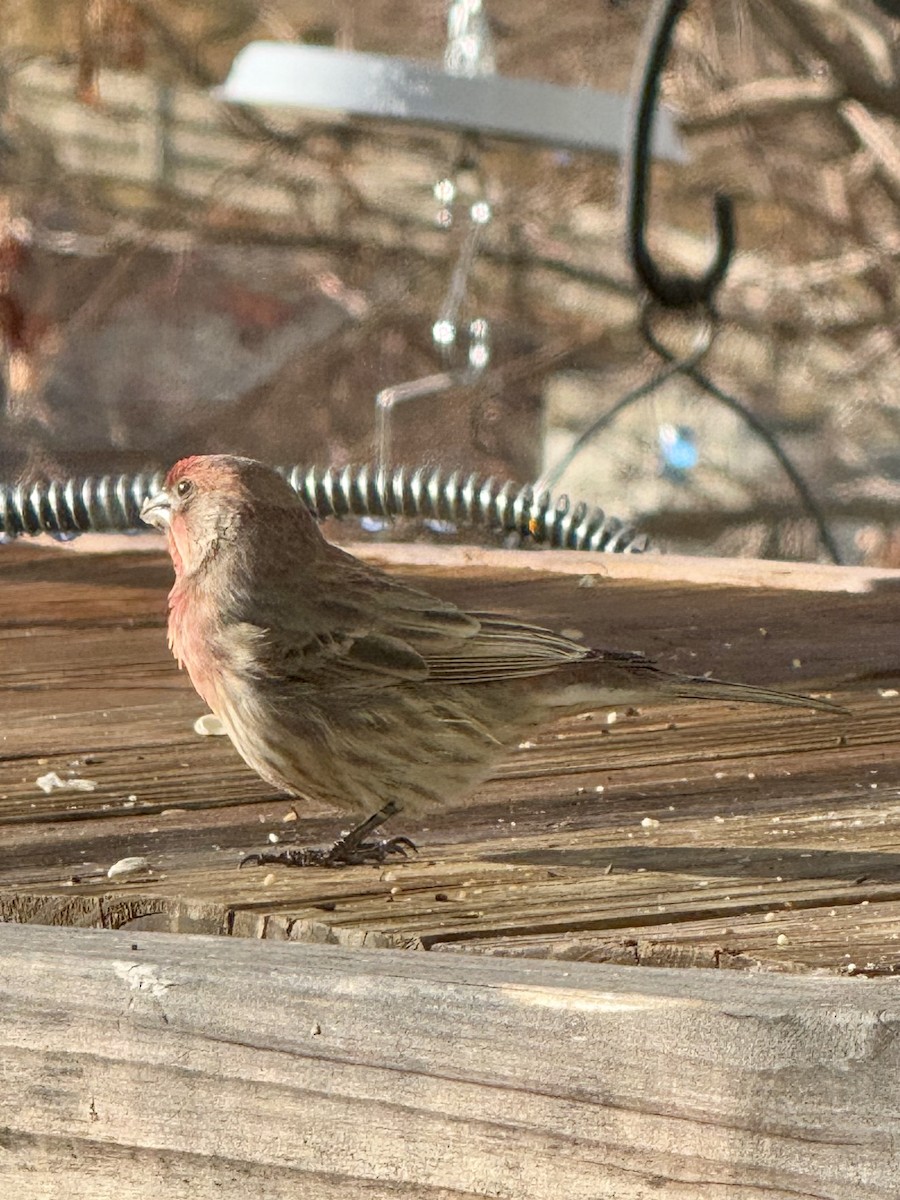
x: 112, y: 503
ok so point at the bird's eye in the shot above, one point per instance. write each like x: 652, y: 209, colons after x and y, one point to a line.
x: 184, y: 487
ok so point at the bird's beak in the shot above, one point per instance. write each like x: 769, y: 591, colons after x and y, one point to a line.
x: 157, y: 511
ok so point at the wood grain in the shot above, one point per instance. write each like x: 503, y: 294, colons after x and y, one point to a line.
x: 140, y: 1065
x: 778, y: 835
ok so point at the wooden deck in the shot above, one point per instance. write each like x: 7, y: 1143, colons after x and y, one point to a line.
x: 697, y: 835
x: 140, y: 1066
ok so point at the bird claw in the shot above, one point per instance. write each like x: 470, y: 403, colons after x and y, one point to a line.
x: 346, y: 852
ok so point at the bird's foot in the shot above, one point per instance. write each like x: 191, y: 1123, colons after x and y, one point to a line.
x: 352, y: 849
x: 346, y: 852
x: 349, y: 853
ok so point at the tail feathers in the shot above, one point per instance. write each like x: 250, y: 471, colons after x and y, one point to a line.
x: 692, y: 688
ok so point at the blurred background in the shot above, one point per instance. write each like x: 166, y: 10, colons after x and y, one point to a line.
x: 179, y: 274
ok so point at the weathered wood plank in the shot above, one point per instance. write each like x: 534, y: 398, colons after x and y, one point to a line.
x: 760, y: 811
x: 140, y: 1064
x: 707, y: 572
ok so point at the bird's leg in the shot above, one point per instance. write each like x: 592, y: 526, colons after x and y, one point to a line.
x: 351, y: 849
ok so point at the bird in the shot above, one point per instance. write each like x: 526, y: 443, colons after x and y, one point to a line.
x: 339, y: 682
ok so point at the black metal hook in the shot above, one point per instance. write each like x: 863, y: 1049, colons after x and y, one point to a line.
x: 672, y: 290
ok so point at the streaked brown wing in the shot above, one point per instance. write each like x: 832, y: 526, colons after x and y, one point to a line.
x: 362, y: 628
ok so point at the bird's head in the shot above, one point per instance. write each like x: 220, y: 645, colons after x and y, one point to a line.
x: 206, y: 500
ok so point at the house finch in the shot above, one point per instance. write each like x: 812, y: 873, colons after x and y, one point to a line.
x: 336, y: 681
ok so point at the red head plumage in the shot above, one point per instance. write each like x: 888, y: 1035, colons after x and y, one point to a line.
x: 206, y: 498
